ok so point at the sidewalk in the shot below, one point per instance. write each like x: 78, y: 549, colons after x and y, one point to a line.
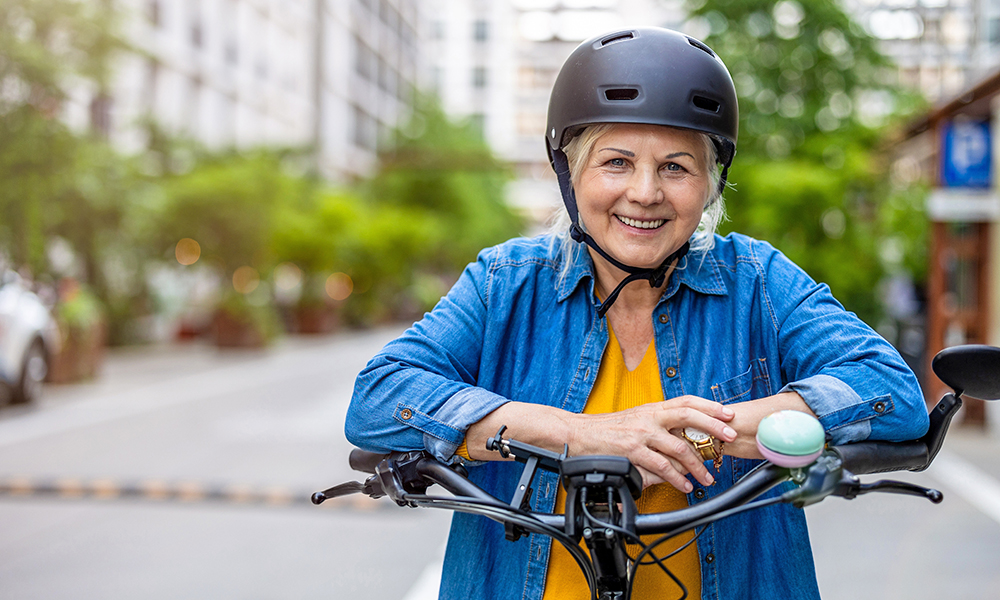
x: 130, y: 367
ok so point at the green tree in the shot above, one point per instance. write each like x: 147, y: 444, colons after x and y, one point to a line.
x: 436, y: 200
x: 446, y: 169
x: 45, y: 47
x: 811, y: 176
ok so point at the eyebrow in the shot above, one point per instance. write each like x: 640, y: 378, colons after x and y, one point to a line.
x: 631, y: 154
x: 627, y: 153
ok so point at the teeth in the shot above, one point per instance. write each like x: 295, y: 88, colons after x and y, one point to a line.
x: 641, y: 224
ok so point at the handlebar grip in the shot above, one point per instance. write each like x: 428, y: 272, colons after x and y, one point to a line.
x: 881, y: 457
x: 365, y: 461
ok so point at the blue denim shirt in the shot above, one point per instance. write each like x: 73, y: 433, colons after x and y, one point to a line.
x: 737, y: 323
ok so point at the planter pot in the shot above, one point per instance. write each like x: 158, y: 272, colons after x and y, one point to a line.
x: 81, y: 354
x: 231, y: 332
x: 316, y: 319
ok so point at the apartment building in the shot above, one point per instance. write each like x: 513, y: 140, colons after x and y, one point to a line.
x: 940, y: 46
x: 332, y: 74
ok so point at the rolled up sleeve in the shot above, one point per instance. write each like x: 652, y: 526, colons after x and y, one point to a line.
x: 853, y: 380
x: 419, y: 392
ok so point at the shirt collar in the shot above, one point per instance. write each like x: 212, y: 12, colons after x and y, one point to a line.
x: 697, y: 270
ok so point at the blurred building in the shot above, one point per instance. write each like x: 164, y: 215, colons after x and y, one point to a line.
x: 954, y: 149
x: 334, y: 74
x: 494, y: 62
x: 941, y: 46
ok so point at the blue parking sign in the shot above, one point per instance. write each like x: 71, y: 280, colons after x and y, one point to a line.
x: 967, y: 155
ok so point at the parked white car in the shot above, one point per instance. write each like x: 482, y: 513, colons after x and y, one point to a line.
x: 29, y: 338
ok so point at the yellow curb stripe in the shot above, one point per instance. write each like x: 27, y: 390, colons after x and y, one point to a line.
x: 183, y: 491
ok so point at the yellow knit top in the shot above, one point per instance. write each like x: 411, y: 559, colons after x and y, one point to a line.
x: 618, y: 389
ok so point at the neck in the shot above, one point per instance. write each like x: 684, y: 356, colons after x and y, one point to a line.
x: 636, y: 296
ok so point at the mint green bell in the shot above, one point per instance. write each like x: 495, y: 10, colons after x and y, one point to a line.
x: 790, y: 438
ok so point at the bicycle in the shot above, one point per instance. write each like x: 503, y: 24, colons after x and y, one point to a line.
x: 601, y: 490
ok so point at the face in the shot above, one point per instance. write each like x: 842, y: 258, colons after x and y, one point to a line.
x: 642, y: 190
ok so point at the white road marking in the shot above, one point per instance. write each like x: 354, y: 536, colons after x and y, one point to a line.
x: 426, y: 586
x: 969, y: 482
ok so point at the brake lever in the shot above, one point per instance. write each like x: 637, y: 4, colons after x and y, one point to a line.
x: 851, y: 487
x: 371, y: 487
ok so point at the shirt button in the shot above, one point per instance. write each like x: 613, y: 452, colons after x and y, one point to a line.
x: 406, y: 414
x: 671, y: 371
x: 879, y: 407
x: 699, y: 493
x: 710, y: 558
x: 664, y: 318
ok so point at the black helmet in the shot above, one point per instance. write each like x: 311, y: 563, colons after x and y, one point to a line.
x: 647, y: 75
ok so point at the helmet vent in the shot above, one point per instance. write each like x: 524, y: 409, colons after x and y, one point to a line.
x: 706, y: 104
x: 619, y: 94
x: 701, y: 46
x: 618, y: 37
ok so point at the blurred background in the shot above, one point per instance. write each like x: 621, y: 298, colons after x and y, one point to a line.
x: 181, y: 180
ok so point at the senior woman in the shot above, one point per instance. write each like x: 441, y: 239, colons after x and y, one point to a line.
x: 638, y: 332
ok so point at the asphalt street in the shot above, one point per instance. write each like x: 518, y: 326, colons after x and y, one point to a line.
x: 183, y: 472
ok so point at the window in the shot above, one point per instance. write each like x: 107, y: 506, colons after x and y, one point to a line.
x: 153, y: 13
x: 364, y: 129
x: 196, y: 34
x: 479, y: 77
x: 994, y: 31
x: 478, y: 123
x: 481, y: 30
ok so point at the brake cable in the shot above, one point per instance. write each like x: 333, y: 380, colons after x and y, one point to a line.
x: 505, y: 513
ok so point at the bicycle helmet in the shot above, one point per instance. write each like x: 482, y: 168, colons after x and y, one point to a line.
x: 650, y: 76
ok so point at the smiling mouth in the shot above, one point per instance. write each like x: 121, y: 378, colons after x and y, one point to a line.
x: 641, y: 224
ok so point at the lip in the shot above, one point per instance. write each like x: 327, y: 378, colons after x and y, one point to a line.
x: 641, y: 224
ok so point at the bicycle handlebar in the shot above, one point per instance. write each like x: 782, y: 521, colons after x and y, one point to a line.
x: 365, y: 461
x: 832, y: 474
x: 862, y: 458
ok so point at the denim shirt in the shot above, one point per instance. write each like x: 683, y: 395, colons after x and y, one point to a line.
x: 737, y: 323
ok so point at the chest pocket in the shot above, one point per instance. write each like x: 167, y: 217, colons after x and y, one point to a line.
x: 752, y: 384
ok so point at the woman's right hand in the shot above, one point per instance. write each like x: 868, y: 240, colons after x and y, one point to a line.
x: 649, y: 436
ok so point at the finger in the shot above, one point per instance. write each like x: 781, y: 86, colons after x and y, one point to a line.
x: 708, y: 407
x: 649, y: 478
x: 679, y: 417
x: 681, y: 451
x: 660, y: 470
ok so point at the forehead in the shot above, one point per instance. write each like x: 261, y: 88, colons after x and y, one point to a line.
x: 655, y: 136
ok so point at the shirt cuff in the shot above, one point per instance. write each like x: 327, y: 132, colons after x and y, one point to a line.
x: 841, y: 411
x: 444, y: 431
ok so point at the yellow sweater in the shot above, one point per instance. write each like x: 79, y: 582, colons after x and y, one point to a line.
x: 617, y: 389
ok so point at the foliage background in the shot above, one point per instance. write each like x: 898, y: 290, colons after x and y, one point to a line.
x: 818, y: 103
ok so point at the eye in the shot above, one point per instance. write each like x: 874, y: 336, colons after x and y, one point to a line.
x: 617, y: 162
x: 674, y: 167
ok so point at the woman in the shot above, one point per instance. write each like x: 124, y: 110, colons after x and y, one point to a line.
x: 640, y: 333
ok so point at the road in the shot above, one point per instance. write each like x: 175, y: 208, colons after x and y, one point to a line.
x: 183, y: 471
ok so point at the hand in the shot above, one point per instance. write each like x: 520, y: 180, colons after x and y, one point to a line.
x: 643, y: 435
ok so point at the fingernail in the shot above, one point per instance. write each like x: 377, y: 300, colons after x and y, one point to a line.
x: 688, y: 487
x: 728, y: 411
x: 729, y: 432
x: 711, y: 480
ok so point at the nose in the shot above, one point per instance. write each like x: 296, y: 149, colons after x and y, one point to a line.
x: 644, y: 187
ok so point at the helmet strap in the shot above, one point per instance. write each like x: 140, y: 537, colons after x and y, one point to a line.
x: 656, y: 276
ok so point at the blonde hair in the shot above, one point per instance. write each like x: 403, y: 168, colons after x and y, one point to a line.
x: 578, y: 152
